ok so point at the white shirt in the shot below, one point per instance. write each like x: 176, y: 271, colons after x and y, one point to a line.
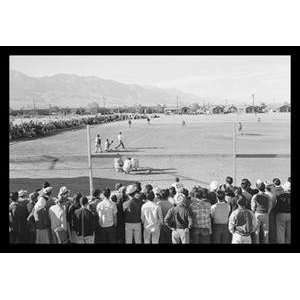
x: 151, y: 216
x: 120, y: 137
x: 127, y: 165
x: 106, y: 210
x: 58, y: 217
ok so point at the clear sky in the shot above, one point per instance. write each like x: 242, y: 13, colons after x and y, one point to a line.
x: 225, y: 77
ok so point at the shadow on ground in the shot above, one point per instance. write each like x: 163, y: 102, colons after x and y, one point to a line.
x: 77, y: 184
x: 146, y: 171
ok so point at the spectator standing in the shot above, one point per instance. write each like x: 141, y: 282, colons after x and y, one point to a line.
x: 242, y: 223
x: 42, y: 224
x: 179, y: 220
x: 132, y: 216
x: 220, y: 215
x: 283, y: 215
x: 172, y: 193
x: 245, y: 186
x: 30, y: 219
x: 212, y: 196
x: 151, y: 216
x: 85, y: 223
x: 201, y: 219
x: 71, y: 218
x: 272, y: 217
x: 260, y: 205
x: 18, y: 218
x: 165, y: 205
x: 278, y: 189
x: 107, y: 213
x: 58, y: 218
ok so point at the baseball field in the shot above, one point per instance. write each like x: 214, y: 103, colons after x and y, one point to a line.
x: 197, y: 153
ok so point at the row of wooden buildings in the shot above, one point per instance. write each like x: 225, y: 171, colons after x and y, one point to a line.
x: 222, y: 109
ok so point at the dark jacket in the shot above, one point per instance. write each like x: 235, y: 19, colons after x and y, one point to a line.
x: 43, y: 221
x: 283, y: 204
x: 19, y: 224
x: 71, y: 218
x: 89, y: 222
x: 179, y: 217
x: 132, y: 211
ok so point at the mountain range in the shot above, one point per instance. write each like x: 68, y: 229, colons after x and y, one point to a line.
x: 75, y: 91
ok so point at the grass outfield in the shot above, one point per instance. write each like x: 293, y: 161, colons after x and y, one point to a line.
x: 197, y: 153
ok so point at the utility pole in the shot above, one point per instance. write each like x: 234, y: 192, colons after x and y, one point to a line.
x: 34, y: 112
x: 104, y: 101
x: 253, y: 95
x: 177, y: 104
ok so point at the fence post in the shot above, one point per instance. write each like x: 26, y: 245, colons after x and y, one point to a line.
x: 234, y: 152
x: 89, y: 159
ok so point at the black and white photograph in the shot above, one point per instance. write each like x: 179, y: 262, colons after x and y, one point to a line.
x: 149, y: 149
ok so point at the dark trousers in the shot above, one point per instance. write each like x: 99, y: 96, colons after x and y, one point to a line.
x: 200, y: 236
x: 165, y: 235
x: 220, y: 234
x: 120, y: 233
x: 120, y: 144
x: 108, y: 235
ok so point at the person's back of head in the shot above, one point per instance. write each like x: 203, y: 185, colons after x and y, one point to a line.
x: 172, y: 191
x: 150, y: 196
x: 106, y: 193
x: 114, y: 198
x: 148, y: 188
x: 46, y: 184
x: 138, y: 186
x: 76, y: 199
x: 220, y: 195
x: 276, y: 181
x: 245, y: 184
x: 83, y: 201
x: 185, y: 192
x: 96, y: 193
x: 177, y: 179
x: 229, y: 180
x: 204, y: 193
x: 164, y: 194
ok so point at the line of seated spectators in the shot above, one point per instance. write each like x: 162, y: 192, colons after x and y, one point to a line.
x: 222, y: 214
x: 33, y: 128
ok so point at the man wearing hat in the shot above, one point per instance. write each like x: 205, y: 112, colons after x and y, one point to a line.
x: 260, y: 205
x: 18, y: 213
x: 283, y: 215
x: 58, y: 217
x: 242, y: 223
x: 179, y: 220
x: 132, y: 215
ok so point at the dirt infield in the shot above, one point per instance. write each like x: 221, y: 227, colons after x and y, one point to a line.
x: 197, y: 153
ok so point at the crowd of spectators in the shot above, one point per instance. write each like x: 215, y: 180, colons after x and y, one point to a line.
x: 221, y: 214
x: 32, y: 129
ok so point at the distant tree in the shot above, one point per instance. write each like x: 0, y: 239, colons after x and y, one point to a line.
x: 93, y: 107
x: 194, y: 107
